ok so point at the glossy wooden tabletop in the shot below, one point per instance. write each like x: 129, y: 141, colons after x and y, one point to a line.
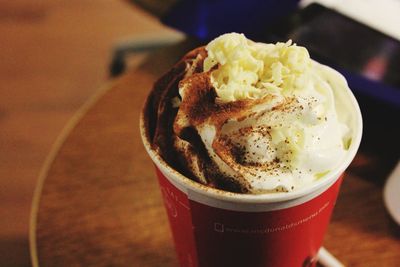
x: 98, y: 204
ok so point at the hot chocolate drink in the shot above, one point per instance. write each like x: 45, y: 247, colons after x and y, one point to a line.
x: 250, y: 117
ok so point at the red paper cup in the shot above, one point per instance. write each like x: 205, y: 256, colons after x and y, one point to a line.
x: 215, y: 228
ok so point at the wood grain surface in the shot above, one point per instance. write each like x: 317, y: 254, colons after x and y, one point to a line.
x: 98, y: 203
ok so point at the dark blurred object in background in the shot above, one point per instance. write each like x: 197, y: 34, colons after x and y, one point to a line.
x: 206, y: 19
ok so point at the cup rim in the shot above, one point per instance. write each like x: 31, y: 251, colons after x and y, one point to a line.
x: 189, y: 184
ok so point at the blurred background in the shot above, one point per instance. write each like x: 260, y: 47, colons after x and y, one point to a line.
x: 56, y: 54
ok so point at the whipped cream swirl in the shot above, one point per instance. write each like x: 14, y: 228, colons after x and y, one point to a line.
x: 258, y: 118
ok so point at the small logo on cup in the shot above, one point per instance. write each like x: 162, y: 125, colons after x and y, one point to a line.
x: 219, y: 227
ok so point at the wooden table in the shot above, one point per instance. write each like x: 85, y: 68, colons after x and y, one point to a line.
x: 98, y: 204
